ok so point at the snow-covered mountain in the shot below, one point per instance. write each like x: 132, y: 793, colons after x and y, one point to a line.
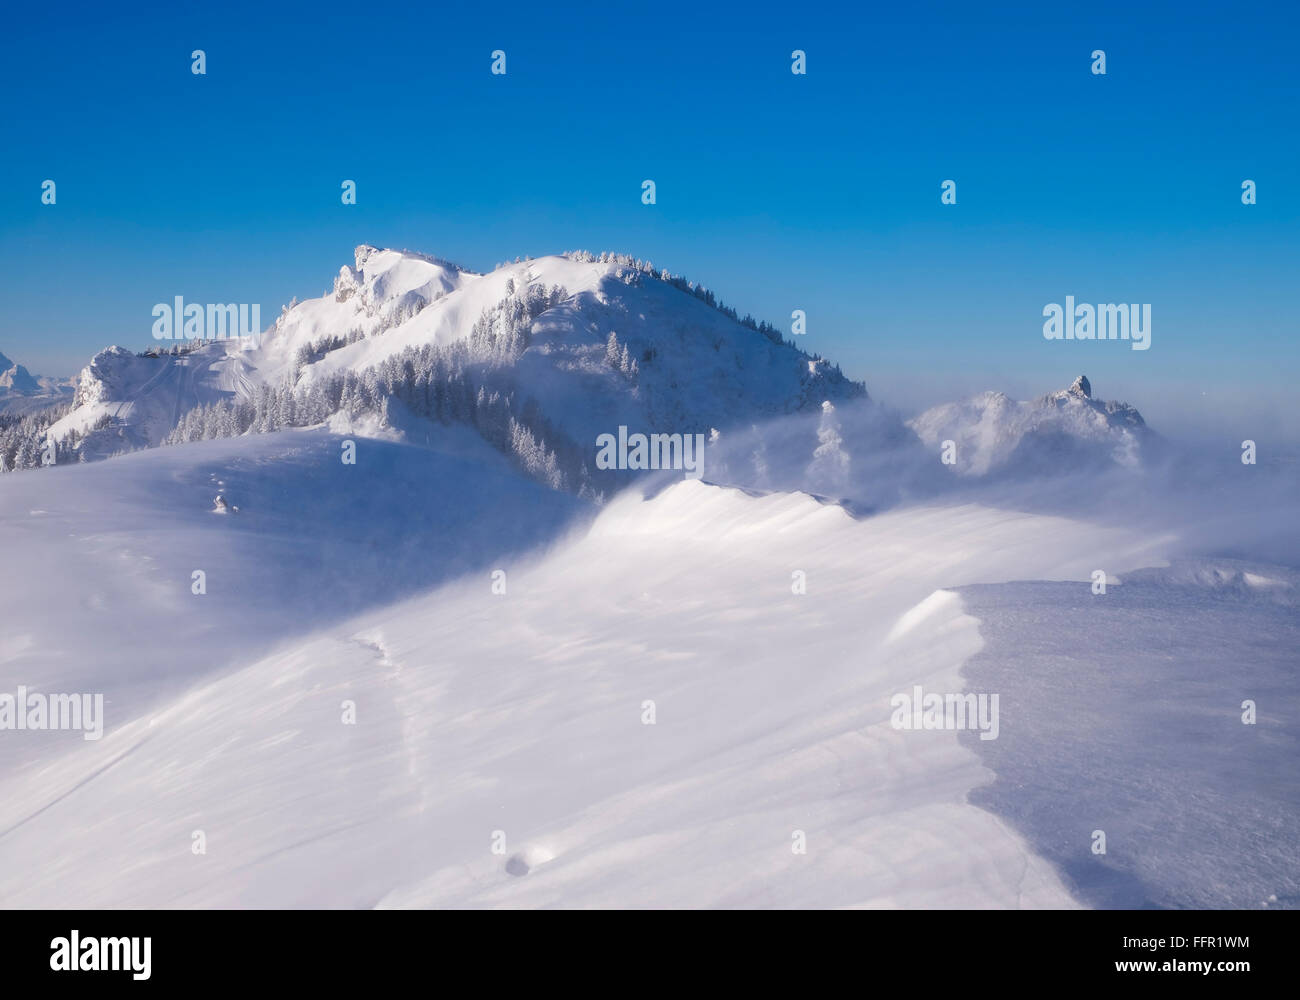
x: 1059, y: 432
x: 21, y: 391
x: 543, y: 356
x: 15, y: 378
x: 564, y: 347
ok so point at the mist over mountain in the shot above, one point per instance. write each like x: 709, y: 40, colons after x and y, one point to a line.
x: 1063, y: 430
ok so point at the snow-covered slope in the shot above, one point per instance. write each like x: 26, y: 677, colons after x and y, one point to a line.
x: 696, y: 367
x: 382, y: 291
x: 1129, y: 719
x: 1058, y: 432
x: 771, y: 632
x: 135, y: 400
x: 97, y: 561
x: 523, y: 713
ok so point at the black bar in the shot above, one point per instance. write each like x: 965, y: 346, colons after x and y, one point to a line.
x: 938, y: 950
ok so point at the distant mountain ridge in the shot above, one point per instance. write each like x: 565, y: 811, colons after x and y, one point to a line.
x: 21, y: 391
x: 542, y: 357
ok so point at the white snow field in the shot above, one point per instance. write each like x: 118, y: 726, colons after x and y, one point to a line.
x: 516, y: 716
x: 97, y: 560
x: 1124, y: 714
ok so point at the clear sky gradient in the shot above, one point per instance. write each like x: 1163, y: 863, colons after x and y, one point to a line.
x: 818, y: 192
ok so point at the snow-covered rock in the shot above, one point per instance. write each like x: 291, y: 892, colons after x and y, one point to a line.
x: 1056, y: 433
x: 140, y: 397
x: 695, y: 366
x: 15, y: 378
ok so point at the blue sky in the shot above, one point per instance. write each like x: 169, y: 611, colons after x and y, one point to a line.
x: 819, y: 192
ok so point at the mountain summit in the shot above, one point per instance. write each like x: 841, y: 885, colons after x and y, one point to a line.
x: 541, y: 356
x: 15, y: 378
x: 22, y: 392
x: 1054, y: 433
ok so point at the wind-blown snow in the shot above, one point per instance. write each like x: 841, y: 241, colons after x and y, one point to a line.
x: 98, y: 559
x: 1128, y: 719
x: 1067, y: 429
x: 522, y: 713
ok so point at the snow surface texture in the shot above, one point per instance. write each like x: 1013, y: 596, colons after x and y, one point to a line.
x: 522, y: 713
x: 1125, y: 716
x: 98, y: 559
